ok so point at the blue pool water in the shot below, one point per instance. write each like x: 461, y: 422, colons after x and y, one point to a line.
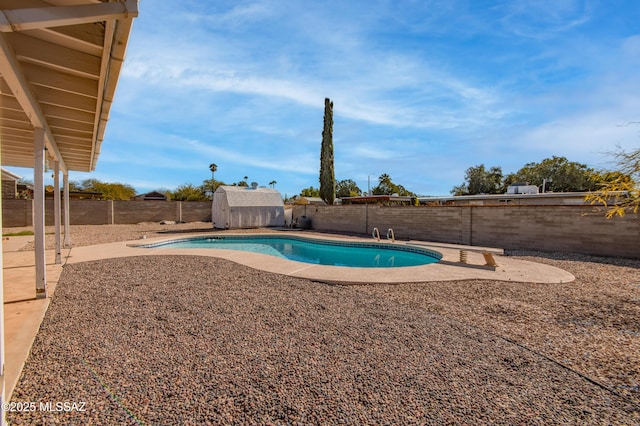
x: 319, y: 252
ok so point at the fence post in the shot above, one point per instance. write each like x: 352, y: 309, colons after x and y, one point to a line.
x: 110, y: 213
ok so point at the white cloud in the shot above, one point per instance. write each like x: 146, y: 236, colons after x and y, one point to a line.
x: 421, y: 90
x: 238, y: 16
x: 542, y: 19
x: 585, y: 138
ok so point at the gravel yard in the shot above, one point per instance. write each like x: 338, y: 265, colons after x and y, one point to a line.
x: 190, y: 340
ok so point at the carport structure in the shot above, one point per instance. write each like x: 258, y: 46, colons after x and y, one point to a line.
x: 60, y: 61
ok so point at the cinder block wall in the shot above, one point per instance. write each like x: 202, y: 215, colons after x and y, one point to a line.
x: 195, y: 211
x: 578, y: 229
x: 139, y: 211
x: 442, y: 224
x: 17, y: 213
x: 82, y: 212
x: 346, y: 219
x: 154, y: 211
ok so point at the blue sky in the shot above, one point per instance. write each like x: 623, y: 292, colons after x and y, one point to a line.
x: 422, y: 90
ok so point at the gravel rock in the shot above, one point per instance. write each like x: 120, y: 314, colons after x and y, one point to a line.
x: 191, y: 340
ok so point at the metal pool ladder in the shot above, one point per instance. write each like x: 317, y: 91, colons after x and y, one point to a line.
x: 376, y: 234
x: 391, y: 235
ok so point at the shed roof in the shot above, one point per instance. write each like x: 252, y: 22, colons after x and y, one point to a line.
x: 240, y: 196
x: 7, y: 175
x: 59, y: 64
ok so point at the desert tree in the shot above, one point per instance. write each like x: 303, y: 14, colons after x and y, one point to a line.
x: 619, y: 190
x: 347, y: 188
x: 110, y: 191
x: 327, y: 176
x: 387, y: 187
x: 560, y: 174
x: 479, y: 180
x: 310, y: 192
x: 190, y: 192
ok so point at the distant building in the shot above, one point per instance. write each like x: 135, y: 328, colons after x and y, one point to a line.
x: 9, y: 184
x: 522, y: 188
x: 316, y: 201
x: 379, y: 199
x: 150, y: 196
x: 547, y: 198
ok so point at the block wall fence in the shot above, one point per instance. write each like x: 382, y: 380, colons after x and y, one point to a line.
x: 579, y: 229
x: 101, y: 212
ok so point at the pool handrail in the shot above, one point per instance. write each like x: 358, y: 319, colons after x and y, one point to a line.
x: 391, y: 235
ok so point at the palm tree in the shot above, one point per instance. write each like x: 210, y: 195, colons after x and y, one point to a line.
x: 213, y: 167
x: 273, y: 183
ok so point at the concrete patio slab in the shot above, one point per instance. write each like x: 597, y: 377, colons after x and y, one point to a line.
x: 23, y: 313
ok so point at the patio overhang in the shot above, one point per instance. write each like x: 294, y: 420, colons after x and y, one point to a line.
x: 60, y: 61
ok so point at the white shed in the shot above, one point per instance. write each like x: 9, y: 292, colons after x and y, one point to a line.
x: 243, y: 207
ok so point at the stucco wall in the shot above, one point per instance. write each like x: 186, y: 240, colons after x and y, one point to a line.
x: 578, y: 229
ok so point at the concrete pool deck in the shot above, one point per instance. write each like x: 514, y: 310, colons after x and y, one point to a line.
x: 24, y: 313
x: 448, y: 268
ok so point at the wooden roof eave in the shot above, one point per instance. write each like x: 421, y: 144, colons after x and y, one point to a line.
x: 117, y: 15
x: 120, y: 31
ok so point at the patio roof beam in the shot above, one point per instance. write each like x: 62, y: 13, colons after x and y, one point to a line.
x: 12, y: 20
x: 15, y: 79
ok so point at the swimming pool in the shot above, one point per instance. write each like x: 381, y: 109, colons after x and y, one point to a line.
x: 314, y: 251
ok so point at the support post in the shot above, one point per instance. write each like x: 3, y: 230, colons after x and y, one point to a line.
x: 2, y: 395
x: 38, y: 214
x: 56, y: 209
x: 67, y: 230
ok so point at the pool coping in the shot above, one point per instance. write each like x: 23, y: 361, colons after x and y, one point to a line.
x: 448, y: 268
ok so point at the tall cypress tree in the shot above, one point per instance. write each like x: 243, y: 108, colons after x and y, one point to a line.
x: 327, y: 178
